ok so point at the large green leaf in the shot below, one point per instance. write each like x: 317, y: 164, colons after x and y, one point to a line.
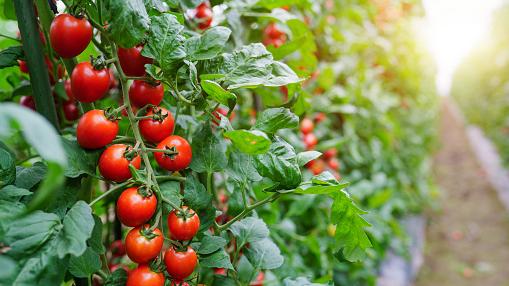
x: 9, y: 57
x: 208, y: 45
x: 218, y: 259
x: 264, y: 254
x: 85, y: 265
x: 27, y: 178
x: 165, y: 43
x: 241, y: 168
x: 128, y: 21
x: 195, y: 194
x: 252, y: 142
x: 217, y: 93
x: 273, y: 119
x: 249, y: 230
x: 77, y: 228
x: 7, y: 168
x: 210, y: 244
x: 209, y: 151
x: 81, y: 161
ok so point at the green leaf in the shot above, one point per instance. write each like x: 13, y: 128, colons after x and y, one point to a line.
x: 280, y: 166
x: 47, y: 190
x: 264, y: 254
x: 249, y: 230
x: 85, y: 265
x: 8, y: 268
x: 252, y: 142
x: 220, y: 280
x: 322, y: 184
x: 241, y: 168
x: 117, y: 278
x: 13, y: 193
x: 155, y: 4
x: 217, y: 93
x: 95, y: 241
x: 170, y: 190
x: 9, y: 57
x: 25, y: 88
x: 128, y: 21
x: 210, y: 244
x: 351, y: 238
x: 7, y: 168
x: 273, y: 119
x: 209, y: 151
x: 165, y: 43
x: 307, y: 156
x: 77, y: 228
x: 208, y: 45
x: 35, y: 129
x: 27, y: 178
x: 81, y: 161
x: 195, y: 194
x: 299, y: 281
x: 218, y: 259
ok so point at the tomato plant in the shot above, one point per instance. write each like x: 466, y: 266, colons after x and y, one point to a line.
x: 197, y: 155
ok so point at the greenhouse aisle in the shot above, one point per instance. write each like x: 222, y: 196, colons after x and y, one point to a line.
x: 468, y: 237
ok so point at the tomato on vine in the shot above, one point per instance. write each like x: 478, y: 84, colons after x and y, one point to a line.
x: 71, y: 111
x: 159, y: 127
x: 135, y: 207
x: 89, y: 84
x: 258, y: 280
x: 142, y: 93
x: 333, y: 164
x: 310, y: 141
x: 95, y: 130
x: 132, y: 62
x: 23, y: 67
x: 27, y: 101
x: 180, y: 264
x: 306, y: 126
x: 69, y: 35
x: 143, y: 244
x: 117, y: 248
x: 272, y: 35
x: 330, y: 153
x: 115, y: 160
x: 174, y: 162
x: 183, y: 225
x: 204, y: 15
x: 144, y: 276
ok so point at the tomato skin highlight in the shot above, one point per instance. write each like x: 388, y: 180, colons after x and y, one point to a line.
x: 306, y: 126
x: 155, y: 131
x: 89, y: 84
x: 144, y: 276
x: 142, y: 93
x: 132, y: 62
x: 114, y: 166
x: 95, y: 131
x: 133, y: 209
x: 180, y: 264
x: 70, y: 36
x: 176, y: 162
x: 141, y: 249
x: 181, y: 228
x: 204, y: 16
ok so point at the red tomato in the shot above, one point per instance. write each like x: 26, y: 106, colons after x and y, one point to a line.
x: 69, y: 36
x: 330, y: 153
x: 27, y: 101
x: 183, y: 226
x: 144, y: 276
x: 204, y: 16
x: 143, y: 245
x: 113, y: 79
x: 333, y: 164
x: 89, y: 84
x: 174, y: 162
x: 320, y: 117
x: 114, y: 267
x: 142, y: 93
x: 155, y: 130
x: 23, y: 67
x: 259, y: 279
x: 95, y: 131
x: 132, y: 62
x: 316, y: 166
x: 68, y: 90
x: 71, y: 111
x: 306, y: 126
x: 133, y: 209
x: 220, y: 271
x: 117, y: 248
x: 310, y: 141
x: 180, y: 264
x: 272, y: 35
x: 114, y: 166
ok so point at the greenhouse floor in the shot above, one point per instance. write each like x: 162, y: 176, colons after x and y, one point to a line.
x: 468, y: 236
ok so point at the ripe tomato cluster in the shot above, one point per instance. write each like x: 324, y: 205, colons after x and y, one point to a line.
x: 329, y: 159
x: 273, y: 35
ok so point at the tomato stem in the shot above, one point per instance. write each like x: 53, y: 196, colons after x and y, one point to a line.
x: 110, y: 191
x: 170, y: 178
x: 167, y: 152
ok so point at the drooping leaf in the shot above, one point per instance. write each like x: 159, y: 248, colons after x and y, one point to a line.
x: 81, y: 161
x: 13, y: 193
x: 241, y: 168
x: 27, y: 178
x: 208, y: 45
x: 250, y: 230
x: 7, y: 168
x: 9, y: 57
x: 307, y: 156
x: 218, y: 259
x: 195, y: 194
x: 210, y: 244
x: 217, y: 93
x: 77, y: 228
x: 128, y: 21
x: 252, y: 142
x: 209, y: 151
x: 273, y: 119
x: 85, y: 265
x: 264, y: 254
